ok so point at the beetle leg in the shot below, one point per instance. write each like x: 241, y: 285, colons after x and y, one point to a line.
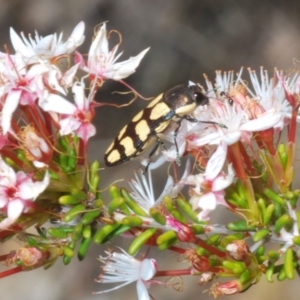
x: 154, y: 149
x: 215, y: 123
x: 191, y: 119
x: 176, y: 145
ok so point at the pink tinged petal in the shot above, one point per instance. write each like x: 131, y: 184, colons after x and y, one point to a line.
x: 222, y: 182
x: 7, y: 174
x: 207, y: 201
x: 19, y: 45
x: 76, y: 38
x: 125, y: 68
x: 36, y: 70
x: 14, y: 209
x: 69, y: 125
x: 31, y: 190
x: 68, y: 77
x: 10, y: 105
x: 216, y: 162
x: 265, y: 121
x: 99, y: 45
x: 79, y: 96
x: 79, y: 59
x: 148, y: 269
x: 142, y: 290
x: 58, y: 104
x: 86, y: 131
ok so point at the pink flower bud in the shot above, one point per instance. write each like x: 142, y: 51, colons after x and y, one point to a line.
x: 30, y: 256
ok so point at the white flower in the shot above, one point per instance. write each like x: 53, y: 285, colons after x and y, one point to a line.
x: 124, y: 269
x: 45, y: 48
x: 236, y: 125
x: 142, y: 189
x: 19, y: 86
x: 271, y: 96
x: 210, y: 186
x: 102, y: 62
x: 17, y: 191
x: 75, y: 118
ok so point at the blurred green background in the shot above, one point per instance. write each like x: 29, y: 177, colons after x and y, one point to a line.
x: 187, y: 38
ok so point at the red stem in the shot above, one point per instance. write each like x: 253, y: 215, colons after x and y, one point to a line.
x: 48, y: 124
x: 173, y: 273
x: 177, y: 249
x: 235, y: 157
x: 5, y: 257
x: 11, y: 272
x: 209, y: 248
x: 81, y: 152
x: 247, y: 159
x: 293, y: 126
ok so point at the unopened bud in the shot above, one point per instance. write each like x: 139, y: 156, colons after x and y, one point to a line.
x: 30, y: 256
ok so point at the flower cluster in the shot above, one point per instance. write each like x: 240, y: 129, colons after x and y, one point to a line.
x: 241, y: 150
x: 240, y: 164
x: 45, y: 125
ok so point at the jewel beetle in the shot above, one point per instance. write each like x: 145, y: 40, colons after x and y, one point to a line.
x: 149, y: 125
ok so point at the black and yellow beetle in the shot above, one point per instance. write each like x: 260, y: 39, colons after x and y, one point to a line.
x: 149, y: 125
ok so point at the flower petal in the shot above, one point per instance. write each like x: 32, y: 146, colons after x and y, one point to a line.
x: 7, y: 174
x: 125, y: 68
x: 265, y: 121
x: 19, y: 45
x: 30, y: 190
x: 58, y: 104
x: 15, y: 209
x: 216, y: 162
x: 79, y: 97
x: 99, y: 45
x: 76, y: 38
x: 148, y: 269
x: 10, y: 105
x: 142, y: 291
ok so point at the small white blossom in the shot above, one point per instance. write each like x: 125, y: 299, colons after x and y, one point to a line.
x: 19, y: 86
x: 74, y: 118
x: 17, y: 191
x: 209, y: 187
x: 45, y: 48
x: 270, y: 96
x: 102, y: 62
x: 124, y: 269
x: 236, y: 125
x: 142, y: 189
